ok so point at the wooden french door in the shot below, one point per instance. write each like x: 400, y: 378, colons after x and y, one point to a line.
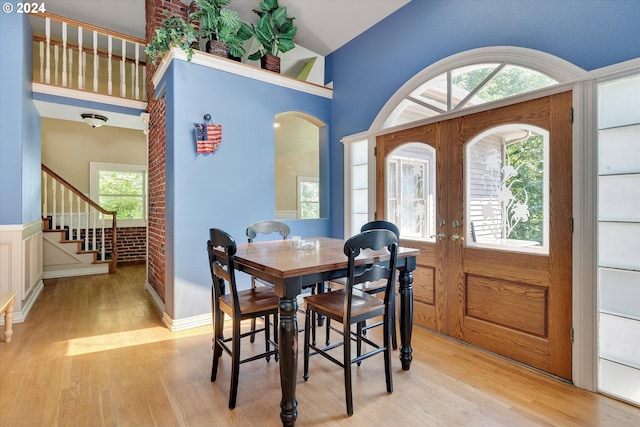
x: 475, y: 281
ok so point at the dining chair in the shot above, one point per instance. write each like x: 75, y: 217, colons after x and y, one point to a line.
x: 375, y: 287
x: 264, y: 227
x: 269, y: 227
x: 239, y: 306
x: 351, y: 305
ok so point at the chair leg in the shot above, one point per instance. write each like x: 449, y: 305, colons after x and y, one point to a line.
x: 267, y: 336
x: 359, y: 333
x: 235, y: 363
x: 347, y: 368
x: 275, y: 333
x: 387, y: 352
x: 394, y: 337
x: 253, y: 330
x: 307, y: 326
x: 218, y: 321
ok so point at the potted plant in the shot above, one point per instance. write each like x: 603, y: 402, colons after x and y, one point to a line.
x: 173, y: 32
x: 275, y: 32
x: 222, y: 28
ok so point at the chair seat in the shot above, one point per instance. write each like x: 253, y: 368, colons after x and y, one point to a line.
x: 251, y: 301
x: 332, y: 304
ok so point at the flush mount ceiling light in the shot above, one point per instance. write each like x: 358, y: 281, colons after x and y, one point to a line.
x: 94, y: 120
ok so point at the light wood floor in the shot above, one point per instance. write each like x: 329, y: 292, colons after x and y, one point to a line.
x: 94, y: 352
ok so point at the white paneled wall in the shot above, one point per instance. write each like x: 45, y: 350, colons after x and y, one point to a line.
x: 619, y: 237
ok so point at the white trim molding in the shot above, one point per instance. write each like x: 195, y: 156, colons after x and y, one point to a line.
x: 21, y: 264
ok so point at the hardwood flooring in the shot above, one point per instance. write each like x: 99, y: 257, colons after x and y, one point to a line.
x: 94, y: 352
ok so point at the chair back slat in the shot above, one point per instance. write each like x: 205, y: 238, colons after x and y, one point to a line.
x: 222, y: 265
x: 374, y: 239
x: 267, y: 227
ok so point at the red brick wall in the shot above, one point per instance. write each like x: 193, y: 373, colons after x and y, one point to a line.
x: 132, y: 244
x: 154, y: 10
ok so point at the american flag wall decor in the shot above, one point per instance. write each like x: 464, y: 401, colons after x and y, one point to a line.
x: 208, y: 137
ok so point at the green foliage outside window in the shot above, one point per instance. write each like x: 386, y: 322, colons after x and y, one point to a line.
x: 123, y: 191
x: 527, y: 158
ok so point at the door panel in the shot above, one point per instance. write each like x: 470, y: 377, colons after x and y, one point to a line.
x: 509, y: 295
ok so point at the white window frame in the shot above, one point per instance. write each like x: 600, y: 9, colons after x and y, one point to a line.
x: 94, y: 170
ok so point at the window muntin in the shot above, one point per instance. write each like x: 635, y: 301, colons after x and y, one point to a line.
x: 466, y: 87
x: 121, y: 188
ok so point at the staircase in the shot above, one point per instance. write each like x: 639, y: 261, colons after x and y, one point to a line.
x: 79, y: 236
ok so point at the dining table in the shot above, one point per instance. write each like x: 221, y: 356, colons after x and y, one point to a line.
x: 290, y: 265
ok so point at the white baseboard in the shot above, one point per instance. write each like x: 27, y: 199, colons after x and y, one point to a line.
x: 56, y: 274
x: 21, y: 315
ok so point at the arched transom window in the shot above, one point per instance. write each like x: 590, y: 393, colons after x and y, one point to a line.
x: 465, y: 87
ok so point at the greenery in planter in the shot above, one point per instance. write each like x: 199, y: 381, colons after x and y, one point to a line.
x: 274, y: 31
x: 173, y: 32
x: 221, y: 24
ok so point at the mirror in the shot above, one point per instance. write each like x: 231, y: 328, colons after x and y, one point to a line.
x: 297, y: 165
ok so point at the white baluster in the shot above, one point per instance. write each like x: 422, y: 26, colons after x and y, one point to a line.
x: 123, y: 80
x: 144, y: 84
x: 137, y: 79
x: 64, y: 54
x: 47, y: 29
x: 71, y: 215
x: 102, y: 243
x: 87, y: 209
x: 84, y: 70
x: 79, y: 221
x: 56, y: 61
x: 70, y: 67
x: 133, y: 78
x: 45, y: 193
x: 80, y: 64
x: 94, y: 247
x: 95, y: 61
x: 41, y: 62
x: 62, y: 202
x: 109, y: 66
x: 54, y: 192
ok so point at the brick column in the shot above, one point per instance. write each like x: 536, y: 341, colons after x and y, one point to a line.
x: 154, y: 10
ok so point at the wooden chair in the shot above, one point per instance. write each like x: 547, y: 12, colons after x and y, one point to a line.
x: 270, y: 227
x: 239, y: 305
x: 376, y: 286
x: 350, y: 306
x: 264, y: 227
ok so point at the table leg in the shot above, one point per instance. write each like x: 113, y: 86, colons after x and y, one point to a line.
x: 406, y: 317
x: 8, y: 321
x: 288, y: 349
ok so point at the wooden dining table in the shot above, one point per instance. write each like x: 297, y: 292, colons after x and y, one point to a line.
x: 290, y: 268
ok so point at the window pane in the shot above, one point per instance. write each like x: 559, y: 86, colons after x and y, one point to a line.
x: 128, y: 207
x: 619, y: 103
x: 619, y: 150
x: 121, y: 182
x: 619, y: 198
x: 507, y: 188
x: 512, y: 80
x: 618, y: 246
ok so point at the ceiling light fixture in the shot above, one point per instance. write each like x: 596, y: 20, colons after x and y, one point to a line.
x: 94, y: 120
x: 276, y: 124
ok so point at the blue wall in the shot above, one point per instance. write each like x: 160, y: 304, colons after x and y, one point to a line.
x: 19, y: 125
x: 367, y: 71
x: 230, y: 188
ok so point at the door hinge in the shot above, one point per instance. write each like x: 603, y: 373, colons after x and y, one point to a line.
x: 375, y: 151
x: 571, y: 114
x: 572, y: 334
x: 571, y: 225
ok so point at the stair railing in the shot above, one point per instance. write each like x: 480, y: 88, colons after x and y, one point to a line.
x: 84, y: 219
x: 77, y: 55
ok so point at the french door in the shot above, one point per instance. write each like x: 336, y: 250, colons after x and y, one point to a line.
x: 487, y: 199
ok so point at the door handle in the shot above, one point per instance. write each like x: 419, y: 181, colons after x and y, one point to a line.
x: 440, y: 236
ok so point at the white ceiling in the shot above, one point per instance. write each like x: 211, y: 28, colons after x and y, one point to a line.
x: 323, y: 25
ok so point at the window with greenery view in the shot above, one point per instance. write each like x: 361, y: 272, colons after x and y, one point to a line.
x: 308, y: 197
x: 121, y: 188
